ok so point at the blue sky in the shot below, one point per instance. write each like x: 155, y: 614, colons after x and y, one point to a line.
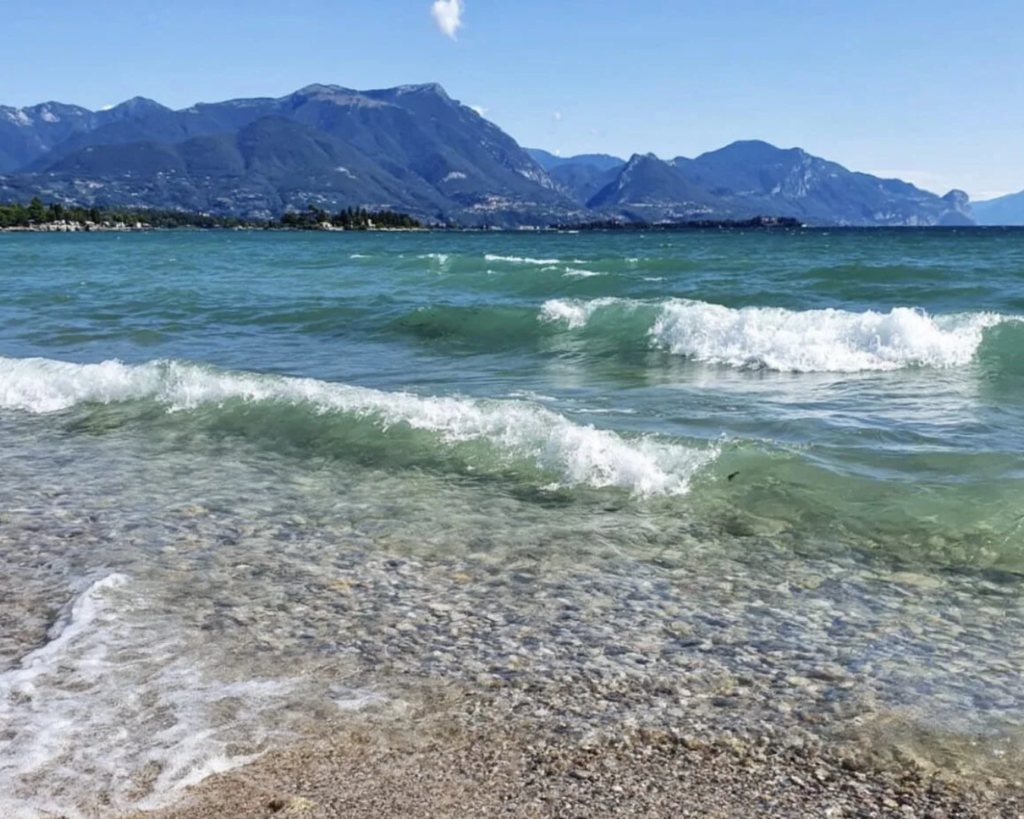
x: 929, y: 91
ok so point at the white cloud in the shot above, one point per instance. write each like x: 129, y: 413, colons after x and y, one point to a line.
x: 448, y: 16
x: 479, y: 109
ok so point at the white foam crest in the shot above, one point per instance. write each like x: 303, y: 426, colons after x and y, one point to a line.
x: 440, y: 258
x: 110, y: 715
x: 83, y: 612
x: 573, y: 273
x: 819, y: 340
x: 583, y: 455
x: 575, y: 312
x: 490, y: 257
x: 774, y: 338
x: 42, y: 385
x: 530, y: 395
x: 360, y: 256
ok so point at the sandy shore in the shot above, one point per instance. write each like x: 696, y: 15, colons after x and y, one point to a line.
x: 466, y: 753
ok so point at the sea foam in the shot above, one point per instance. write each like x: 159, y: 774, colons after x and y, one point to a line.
x: 515, y: 430
x: 109, y: 715
x: 774, y: 338
x: 575, y: 312
x: 490, y: 257
x: 580, y: 273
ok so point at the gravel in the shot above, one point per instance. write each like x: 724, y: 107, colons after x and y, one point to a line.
x: 444, y: 759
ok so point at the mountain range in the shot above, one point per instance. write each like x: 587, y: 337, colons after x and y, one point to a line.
x: 415, y: 149
x: 1006, y: 210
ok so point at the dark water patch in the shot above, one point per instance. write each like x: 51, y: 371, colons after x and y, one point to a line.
x: 481, y: 327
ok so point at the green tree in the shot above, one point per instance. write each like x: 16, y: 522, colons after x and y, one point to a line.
x: 36, y: 211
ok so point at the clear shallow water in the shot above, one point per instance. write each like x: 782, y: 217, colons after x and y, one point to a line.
x: 205, y: 434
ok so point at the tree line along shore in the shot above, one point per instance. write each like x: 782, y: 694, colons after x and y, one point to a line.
x: 61, y: 218
x: 57, y: 217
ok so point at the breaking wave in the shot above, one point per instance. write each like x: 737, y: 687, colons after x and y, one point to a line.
x: 453, y: 433
x: 773, y: 338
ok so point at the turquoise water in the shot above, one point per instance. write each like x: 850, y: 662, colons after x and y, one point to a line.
x: 845, y: 405
x: 866, y: 385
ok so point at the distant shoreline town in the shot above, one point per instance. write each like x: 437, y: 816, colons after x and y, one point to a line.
x: 37, y: 217
x: 56, y: 218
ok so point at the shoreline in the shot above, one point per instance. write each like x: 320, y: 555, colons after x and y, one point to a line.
x: 471, y: 714
x: 470, y: 664
x: 143, y: 228
x: 528, y: 230
x: 458, y: 752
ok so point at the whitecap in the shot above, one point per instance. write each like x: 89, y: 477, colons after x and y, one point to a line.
x: 575, y: 312
x: 583, y: 455
x: 775, y: 338
x: 827, y: 340
x: 490, y: 257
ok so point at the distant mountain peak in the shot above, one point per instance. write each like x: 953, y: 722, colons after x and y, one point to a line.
x: 339, y: 95
x: 48, y: 113
x: 422, y: 88
x: 639, y: 159
x: 318, y: 89
x: 759, y: 144
x: 754, y: 150
x: 138, y: 105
